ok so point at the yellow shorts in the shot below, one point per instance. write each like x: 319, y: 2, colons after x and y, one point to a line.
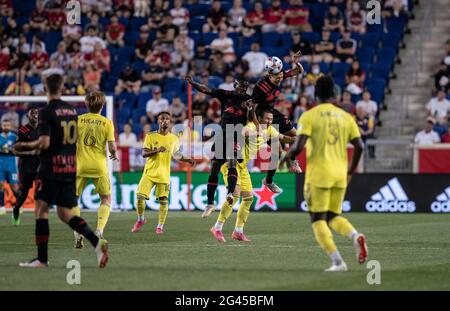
x: 321, y: 200
x: 102, y: 185
x: 244, y: 181
x: 146, y: 185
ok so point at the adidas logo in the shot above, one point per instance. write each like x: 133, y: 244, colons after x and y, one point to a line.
x: 442, y: 203
x: 391, y: 198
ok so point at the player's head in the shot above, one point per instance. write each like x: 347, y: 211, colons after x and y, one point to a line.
x: 6, y: 125
x: 95, y: 101
x: 274, y: 68
x: 324, y: 90
x: 54, y: 84
x: 241, y: 85
x: 164, y: 119
x: 32, y: 114
x: 265, y: 116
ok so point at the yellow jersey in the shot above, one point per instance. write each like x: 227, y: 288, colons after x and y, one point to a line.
x: 157, y: 167
x: 329, y: 129
x: 252, y: 144
x: 94, y: 131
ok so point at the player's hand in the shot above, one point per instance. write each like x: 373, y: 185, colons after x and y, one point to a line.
x: 188, y: 78
x: 17, y: 146
x: 296, y: 57
x: 35, y: 152
x: 113, y: 156
x: 161, y: 149
x: 248, y: 104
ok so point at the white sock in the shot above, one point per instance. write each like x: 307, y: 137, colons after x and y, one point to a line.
x: 336, y: 258
x: 239, y: 229
x: 160, y: 226
x: 218, y: 225
x: 352, y: 234
x: 141, y: 217
x: 100, y: 231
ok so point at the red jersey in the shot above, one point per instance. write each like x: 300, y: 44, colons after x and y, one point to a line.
x: 300, y: 20
x: 266, y: 93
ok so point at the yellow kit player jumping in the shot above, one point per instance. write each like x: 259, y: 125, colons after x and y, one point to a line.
x: 159, y: 147
x: 328, y: 129
x: 95, y: 132
x: 256, y: 134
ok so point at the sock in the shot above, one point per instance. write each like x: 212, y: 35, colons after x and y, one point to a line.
x: 211, y: 188
x: 2, y: 198
x: 324, y: 236
x: 239, y: 229
x: 225, y: 211
x: 102, y: 217
x: 270, y: 174
x: 20, y: 199
x: 42, y: 233
x: 336, y: 257
x: 140, y: 208
x: 243, y: 212
x: 160, y: 226
x: 232, y: 179
x: 218, y: 225
x: 76, y: 211
x: 342, y: 226
x: 163, y: 210
x: 16, y: 211
x: 79, y: 225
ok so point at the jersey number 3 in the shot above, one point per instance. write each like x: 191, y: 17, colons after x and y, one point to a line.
x: 334, y: 133
x: 70, y: 132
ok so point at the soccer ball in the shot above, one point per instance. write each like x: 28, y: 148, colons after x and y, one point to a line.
x: 273, y: 65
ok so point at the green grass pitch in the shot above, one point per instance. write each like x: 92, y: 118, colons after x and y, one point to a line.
x: 413, y: 251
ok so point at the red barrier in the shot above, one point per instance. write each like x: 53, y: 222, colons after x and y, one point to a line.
x: 432, y: 159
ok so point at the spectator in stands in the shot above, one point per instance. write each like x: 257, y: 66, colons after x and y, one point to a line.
x: 56, y: 18
x: 127, y: 138
x: 89, y: 40
x: 92, y: 77
x: 442, y: 77
x: 255, y: 19
x: 156, y: 105
x: 356, y: 18
x: 143, y: 45
x: 368, y: 105
x: 184, y: 46
x: 19, y: 87
x: 334, y: 19
x: 297, y: 16
x: 101, y: 58
x: 141, y: 8
x: 224, y: 45
x: 354, y: 78
x: 37, y: 40
x: 75, y: 51
x: 123, y: 8
x: 167, y: 31
x: 12, y: 116
x: 256, y: 60
x: 274, y: 18
x: 102, y: 7
x: 74, y: 78
x: 346, y: 47
x: 314, y: 74
x: 307, y: 88
x: 236, y: 16
x: 4, y: 62
x: 439, y: 107
x: 95, y: 22
x: 61, y: 56
x: 301, y: 45
x: 19, y: 59
x: 180, y: 15
x: 216, y: 19
x: 301, y: 107
x: 158, y: 57
x: 23, y: 46
x: 157, y: 13
x: 39, y: 17
x: 6, y: 8
x: 128, y: 81
x: 178, y: 110
x: 12, y: 32
x: 346, y: 103
x: 39, y: 61
x: 228, y: 84
x: 213, y: 113
x: 217, y: 65
x: 427, y: 136
x: 146, y: 129
x: 115, y: 32
x: 324, y: 50
x: 395, y: 8
x: 200, y: 61
x: 366, y: 124
x: 200, y: 104
x: 446, y: 137
x: 283, y: 105
x: 151, y: 77
x: 71, y: 32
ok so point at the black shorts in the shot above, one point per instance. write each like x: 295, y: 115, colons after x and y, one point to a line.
x: 283, y: 122
x: 228, y: 147
x: 26, y: 179
x: 56, y: 192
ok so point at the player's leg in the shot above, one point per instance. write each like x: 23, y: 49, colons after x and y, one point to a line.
x: 342, y: 226
x: 142, y: 194
x: 231, y: 179
x: 25, y: 184
x: 2, y: 193
x: 103, y: 188
x: 76, y: 210
x: 244, y: 207
x: 225, y: 212
x: 213, y: 180
x: 318, y: 200
x: 162, y: 193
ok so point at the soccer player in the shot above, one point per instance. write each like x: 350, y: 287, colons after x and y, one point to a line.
x: 28, y: 161
x: 8, y: 169
x: 159, y: 148
x: 234, y: 113
x: 265, y: 94
x: 55, y: 182
x: 328, y: 129
x: 95, y: 132
x: 256, y: 133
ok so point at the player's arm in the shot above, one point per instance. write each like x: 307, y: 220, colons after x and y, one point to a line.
x: 297, y: 68
x: 286, y: 139
x: 178, y: 156
x: 358, y: 147
x: 42, y: 143
x: 146, y: 152
x: 112, y: 148
x: 198, y: 86
x: 295, y: 149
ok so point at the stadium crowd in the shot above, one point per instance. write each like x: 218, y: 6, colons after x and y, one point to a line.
x: 139, y: 51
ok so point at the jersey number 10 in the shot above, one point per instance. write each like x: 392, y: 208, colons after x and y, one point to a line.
x: 70, y: 132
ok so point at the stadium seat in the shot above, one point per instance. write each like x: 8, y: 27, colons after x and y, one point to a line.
x: 282, y: 52
x: 269, y: 50
x: 365, y: 54
x: 367, y: 67
x: 270, y: 39
x: 335, y: 36
x: 311, y: 37
x: 396, y: 24
x: 371, y: 40
x: 391, y: 40
x: 286, y: 39
x: 126, y: 99
x: 324, y: 67
x: 131, y: 37
x: 340, y: 69
x: 123, y: 115
x: 137, y: 22
x: 173, y: 85
x: 33, y: 80
x: 376, y: 28
x: 137, y: 113
x: 196, y: 23
x: 200, y: 9
x: 382, y: 71
x: 209, y: 37
x: 143, y: 99
x: 140, y: 66
x: 137, y: 128
x: 168, y: 95
x: 215, y: 81
x: 387, y: 55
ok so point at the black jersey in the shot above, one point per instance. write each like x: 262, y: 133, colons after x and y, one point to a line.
x: 231, y: 106
x: 28, y: 163
x: 266, y: 93
x: 59, y: 121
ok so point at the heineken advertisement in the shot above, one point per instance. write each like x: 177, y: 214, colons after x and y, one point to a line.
x: 124, y: 187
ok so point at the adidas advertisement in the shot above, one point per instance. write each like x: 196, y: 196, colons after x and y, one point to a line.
x: 393, y: 193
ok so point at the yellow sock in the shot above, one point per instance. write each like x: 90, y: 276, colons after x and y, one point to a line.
x: 102, y: 216
x: 225, y: 211
x: 243, y: 211
x: 140, y: 208
x: 76, y: 211
x: 163, y: 210
x: 324, y: 236
x: 342, y: 226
